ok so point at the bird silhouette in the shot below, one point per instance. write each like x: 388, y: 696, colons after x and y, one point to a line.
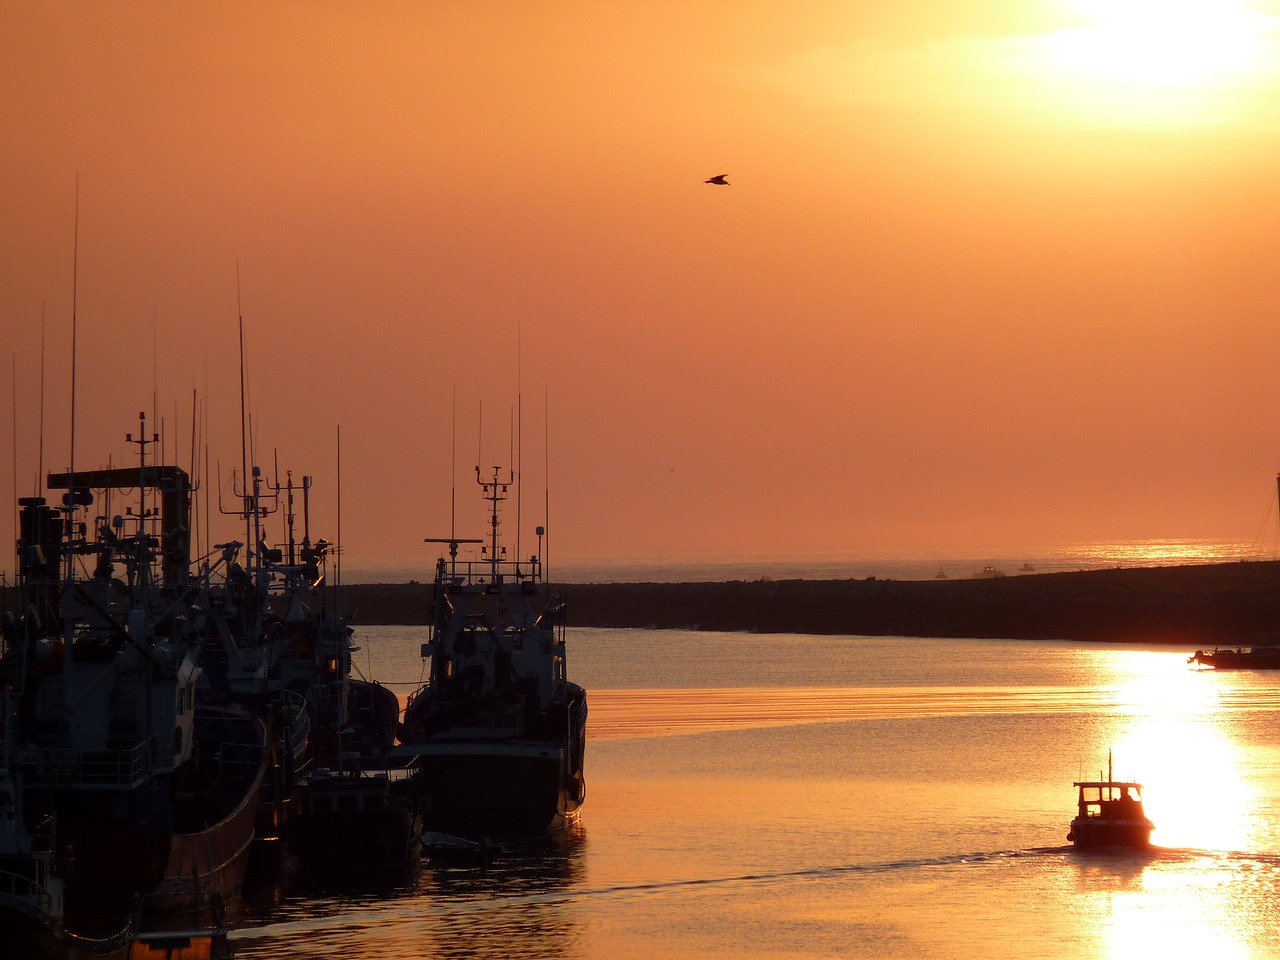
x: 718, y: 180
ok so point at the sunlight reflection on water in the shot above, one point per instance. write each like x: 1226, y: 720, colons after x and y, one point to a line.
x: 872, y: 797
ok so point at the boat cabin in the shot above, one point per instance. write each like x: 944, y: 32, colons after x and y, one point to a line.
x: 1110, y: 799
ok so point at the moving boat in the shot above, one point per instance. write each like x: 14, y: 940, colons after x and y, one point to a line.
x: 497, y: 732
x: 1241, y: 658
x: 1110, y: 814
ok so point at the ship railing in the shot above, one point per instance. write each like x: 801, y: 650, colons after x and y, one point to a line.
x: 293, y: 707
x: 23, y: 894
x: 127, y: 767
x: 483, y: 572
x: 493, y: 718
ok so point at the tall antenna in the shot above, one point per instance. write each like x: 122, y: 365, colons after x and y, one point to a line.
x: 40, y: 466
x: 337, y: 598
x: 13, y: 386
x: 519, y: 458
x: 453, y: 468
x: 155, y: 387
x: 546, y: 479
x: 194, y: 479
x: 244, y: 449
x: 75, y: 276
x: 204, y: 439
x: 71, y: 478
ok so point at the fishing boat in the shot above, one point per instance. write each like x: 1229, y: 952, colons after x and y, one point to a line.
x: 33, y: 882
x: 1110, y: 814
x: 498, y: 731
x: 276, y: 644
x: 145, y: 783
x: 1241, y: 658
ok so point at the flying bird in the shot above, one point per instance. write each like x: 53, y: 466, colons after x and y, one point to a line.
x: 719, y: 180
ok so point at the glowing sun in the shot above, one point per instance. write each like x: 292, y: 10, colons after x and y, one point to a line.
x: 1162, y: 42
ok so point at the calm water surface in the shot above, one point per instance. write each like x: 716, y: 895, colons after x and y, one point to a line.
x: 801, y: 797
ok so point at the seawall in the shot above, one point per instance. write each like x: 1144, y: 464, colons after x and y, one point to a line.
x: 1203, y: 605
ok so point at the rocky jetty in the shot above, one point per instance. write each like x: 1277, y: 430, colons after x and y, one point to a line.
x: 1202, y: 605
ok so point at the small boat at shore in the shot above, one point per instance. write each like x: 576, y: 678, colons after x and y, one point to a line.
x: 1241, y: 658
x: 1110, y: 814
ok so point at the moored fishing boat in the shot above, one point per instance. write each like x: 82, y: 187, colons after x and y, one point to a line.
x: 1110, y: 814
x: 1241, y: 658
x: 498, y: 731
x: 144, y: 783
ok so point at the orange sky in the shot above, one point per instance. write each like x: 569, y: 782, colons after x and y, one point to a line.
x: 988, y: 276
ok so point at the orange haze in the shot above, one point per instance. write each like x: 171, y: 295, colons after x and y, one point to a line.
x: 969, y: 288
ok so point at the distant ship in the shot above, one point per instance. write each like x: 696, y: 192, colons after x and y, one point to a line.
x: 1241, y: 658
x: 497, y: 733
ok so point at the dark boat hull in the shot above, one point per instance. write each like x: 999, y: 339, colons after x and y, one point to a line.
x: 1240, y: 659
x: 381, y: 841
x: 1089, y: 833
x: 34, y: 937
x: 495, y: 788
x: 354, y: 824
x: 206, y: 853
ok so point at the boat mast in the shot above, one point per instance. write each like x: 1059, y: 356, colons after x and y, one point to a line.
x: 1278, y: 501
x: 495, y: 491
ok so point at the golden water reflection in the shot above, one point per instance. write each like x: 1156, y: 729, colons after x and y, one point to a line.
x: 1174, y: 740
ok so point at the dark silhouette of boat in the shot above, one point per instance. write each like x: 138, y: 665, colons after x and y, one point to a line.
x: 110, y: 740
x: 1110, y: 814
x: 497, y: 733
x: 1241, y: 658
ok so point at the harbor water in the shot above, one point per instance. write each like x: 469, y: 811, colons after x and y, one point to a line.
x: 787, y: 796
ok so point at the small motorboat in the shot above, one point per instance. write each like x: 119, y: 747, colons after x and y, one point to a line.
x: 1110, y: 815
x: 446, y: 848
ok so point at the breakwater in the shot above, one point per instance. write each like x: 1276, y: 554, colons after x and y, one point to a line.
x: 1224, y: 604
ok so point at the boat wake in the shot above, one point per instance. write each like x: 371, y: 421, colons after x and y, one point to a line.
x: 414, y: 909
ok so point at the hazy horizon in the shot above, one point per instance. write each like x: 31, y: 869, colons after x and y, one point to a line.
x: 987, y: 277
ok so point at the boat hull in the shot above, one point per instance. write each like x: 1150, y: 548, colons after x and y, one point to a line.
x: 207, y: 853
x: 354, y: 825
x: 1255, y: 659
x: 1089, y: 833
x: 482, y: 788
x: 34, y: 936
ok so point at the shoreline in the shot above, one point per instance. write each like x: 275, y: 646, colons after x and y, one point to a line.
x: 1236, y: 603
